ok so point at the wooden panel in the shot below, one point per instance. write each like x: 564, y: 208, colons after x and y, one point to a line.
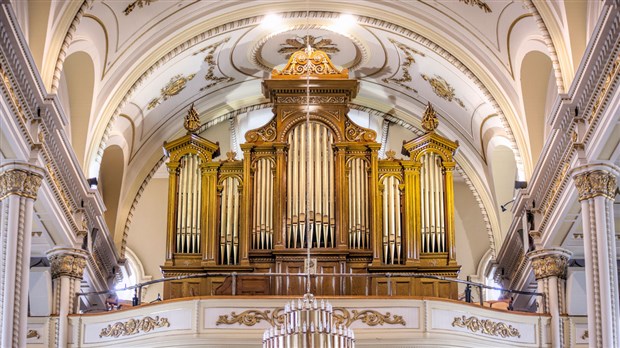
x: 327, y: 286
x: 293, y: 285
x: 359, y: 286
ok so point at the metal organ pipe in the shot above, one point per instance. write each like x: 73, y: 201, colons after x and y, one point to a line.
x: 188, y: 209
x: 392, y: 236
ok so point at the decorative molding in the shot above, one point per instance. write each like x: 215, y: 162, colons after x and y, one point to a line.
x: 596, y: 183
x: 311, y: 100
x: 481, y: 4
x: 299, y: 43
x: 33, y: 334
x: 407, y: 62
x: 310, y: 63
x: 176, y: 84
x: 342, y: 316
x: 19, y: 182
x: 353, y: 132
x: 211, y: 64
x: 486, y: 326
x: 442, y: 89
x: 265, y: 133
x: 67, y: 262
x: 134, y: 326
x: 585, y: 335
x: 138, y: 3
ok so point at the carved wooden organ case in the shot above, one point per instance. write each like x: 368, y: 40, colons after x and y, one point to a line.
x: 310, y: 177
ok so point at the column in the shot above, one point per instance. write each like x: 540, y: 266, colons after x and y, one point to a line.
x: 596, y: 186
x: 550, y: 267
x: 67, y: 267
x: 19, y: 183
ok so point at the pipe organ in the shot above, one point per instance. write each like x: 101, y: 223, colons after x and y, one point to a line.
x: 310, y: 178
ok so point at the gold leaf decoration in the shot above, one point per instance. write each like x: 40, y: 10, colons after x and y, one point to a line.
x: 429, y: 119
x: 481, y: 4
x: 309, y: 63
x: 210, y: 60
x: 486, y: 326
x: 134, y: 326
x: 342, y: 316
x: 299, y: 43
x: 192, y: 120
x: 408, y: 60
x: 442, y: 89
x: 139, y: 3
x: 173, y: 87
x: 33, y: 334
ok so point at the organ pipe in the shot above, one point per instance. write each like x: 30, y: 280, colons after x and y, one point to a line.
x: 262, y: 223
x: 392, y: 236
x: 229, y: 221
x: 188, y: 212
x: 432, y: 205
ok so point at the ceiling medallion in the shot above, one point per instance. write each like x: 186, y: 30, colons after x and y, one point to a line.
x: 316, y: 43
x: 139, y: 3
x: 173, y: 87
x: 481, y: 4
x: 407, y: 62
x: 442, y: 89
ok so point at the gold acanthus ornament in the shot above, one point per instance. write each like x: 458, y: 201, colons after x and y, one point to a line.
x: 442, y: 89
x: 69, y: 264
x: 486, y: 326
x: 596, y: 183
x: 549, y: 265
x: 309, y: 63
x: 19, y: 182
x: 429, y: 119
x: 134, y: 326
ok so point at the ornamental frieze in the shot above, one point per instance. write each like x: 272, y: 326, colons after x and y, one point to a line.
x: 19, y: 182
x: 595, y: 183
x: 486, y: 326
x: 69, y: 264
x: 134, y: 326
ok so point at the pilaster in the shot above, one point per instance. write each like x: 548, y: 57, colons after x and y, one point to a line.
x: 19, y: 184
x: 596, y: 187
x: 67, y: 268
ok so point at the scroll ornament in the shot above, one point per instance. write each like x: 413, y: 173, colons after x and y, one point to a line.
x: 595, y: 183
x: 486, y: 326
x: 134, y: 326
x: 342, y: 316
x: 310, y: 62
x: 19, y: 182
x: 354, y: 132
x: 265, y: 133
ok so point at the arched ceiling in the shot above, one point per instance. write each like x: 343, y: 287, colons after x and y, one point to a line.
x: 153, y: 59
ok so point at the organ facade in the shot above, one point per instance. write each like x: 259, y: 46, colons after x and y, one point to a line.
x: 311, y: 182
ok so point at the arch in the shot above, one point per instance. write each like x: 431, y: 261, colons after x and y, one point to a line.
x: 79, y: 77
x: 110, y: 183
x: 133, y: 273
x: 536, y: 68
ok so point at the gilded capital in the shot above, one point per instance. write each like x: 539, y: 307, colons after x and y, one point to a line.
x: 550, y: 262
x: 21, y: 182
x: 67, y: 262
x: 595, y: 183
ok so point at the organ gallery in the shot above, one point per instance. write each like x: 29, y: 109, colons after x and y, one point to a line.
x: 311, y: 181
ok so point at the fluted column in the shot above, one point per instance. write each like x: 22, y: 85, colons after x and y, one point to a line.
x: 19, y: 184
x: 67, y: 267
x: 550, y: 266
x: 596, y: 186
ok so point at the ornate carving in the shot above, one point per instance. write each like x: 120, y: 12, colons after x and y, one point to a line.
x: 353, y: 132
x: 300, y: 43
x: 481, y: 4
x: 67, y: 262
x: 192, y: 120
x: 406, y: 64
x: 548, y: 264
x: 390, y: 155
x: 33, y: 334
x: 309, y: 62
x: 442, y: 89
x: 264, y: 133
x: 605, y: 89
x: 230, y: 156
x: 176, y: 84
x: 342, y: 316
x: 210, y: 60
x: 429, y: 119
x: 311, y: 100
x: 486, y: 326
x: 139, y: 3
x: 134, y: 326
x: 596, y: 183
x: 19, y: 182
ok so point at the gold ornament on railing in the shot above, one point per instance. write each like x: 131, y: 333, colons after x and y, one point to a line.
x: 486, y: 326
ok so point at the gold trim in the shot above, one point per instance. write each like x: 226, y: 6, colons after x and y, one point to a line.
x: 481, y: 4
x: 134, y: 326
x: 409, y: 60
x: 33, y: 334
x: 19, y: 182
x: 429, y: 119
x: 486, y: 326
x: 596, y: 183
x: 176, y: 84
x: 342, y: 316
x: 309, y: 63
x: 139, y: 3
x: 442, y: 89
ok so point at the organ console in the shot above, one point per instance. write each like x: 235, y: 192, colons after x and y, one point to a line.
x: 311, y: 178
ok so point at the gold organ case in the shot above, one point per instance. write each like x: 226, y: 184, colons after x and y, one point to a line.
x: 319, y: 184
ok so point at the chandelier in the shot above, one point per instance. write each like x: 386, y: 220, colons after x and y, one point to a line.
x: 308, y: 324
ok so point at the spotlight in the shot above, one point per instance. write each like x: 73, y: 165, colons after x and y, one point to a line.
x: 520, y: 184
x: 92, y: 182
x: 503, y: 206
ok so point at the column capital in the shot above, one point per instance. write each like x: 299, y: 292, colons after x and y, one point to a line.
x: 549, y: 262
x: 68, y: 262
x: 20, y: 178
x: 597, y: 179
